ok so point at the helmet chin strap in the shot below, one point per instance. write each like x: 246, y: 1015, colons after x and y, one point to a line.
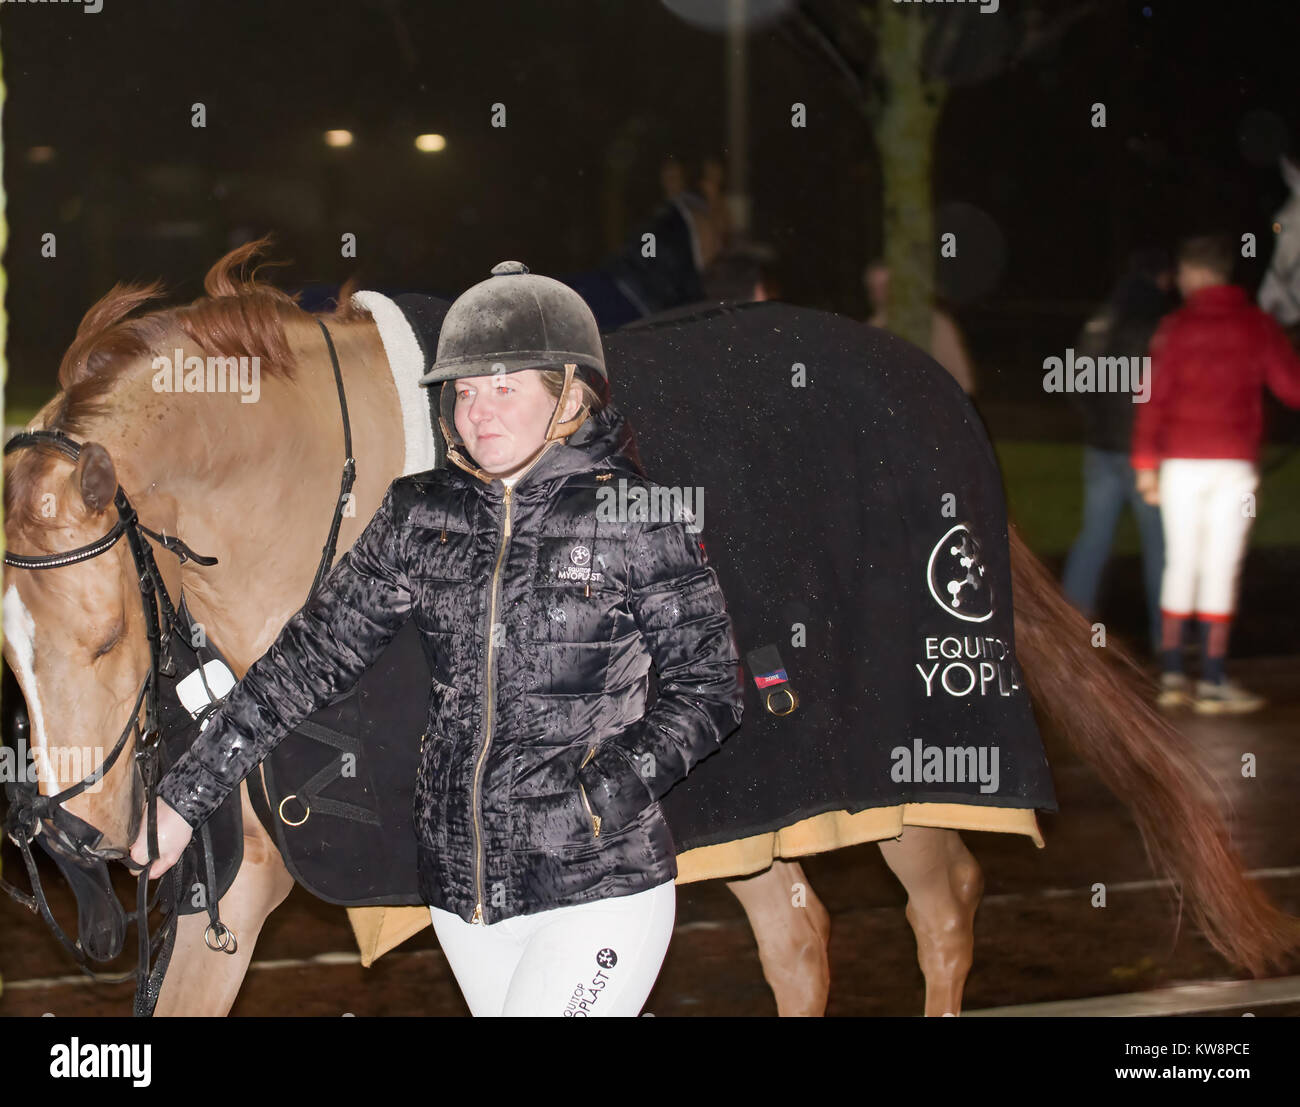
x: 555, y: 432
x: 556, y: 429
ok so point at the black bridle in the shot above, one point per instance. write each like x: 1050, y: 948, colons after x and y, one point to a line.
x: 68, y: 837
x: 71, y: 839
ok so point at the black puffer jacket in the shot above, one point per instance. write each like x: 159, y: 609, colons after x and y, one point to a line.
x: 541, y: 769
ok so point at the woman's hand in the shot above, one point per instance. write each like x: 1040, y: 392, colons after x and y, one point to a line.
x: 174, y: 834
x: 613, y: 792
x: 1148, y: 485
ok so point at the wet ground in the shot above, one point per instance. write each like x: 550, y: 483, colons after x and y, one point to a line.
x: 1038, y: 939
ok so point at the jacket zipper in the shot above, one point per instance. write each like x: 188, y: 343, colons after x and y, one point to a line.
x: 586, y: 803
x: 489, y: 648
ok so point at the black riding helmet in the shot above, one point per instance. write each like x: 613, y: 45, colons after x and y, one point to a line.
x: 512, y: 321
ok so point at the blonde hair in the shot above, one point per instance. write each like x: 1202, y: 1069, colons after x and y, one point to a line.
x: 553, y: 382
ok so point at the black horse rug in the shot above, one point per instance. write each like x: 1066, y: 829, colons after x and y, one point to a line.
x: 853, y: 509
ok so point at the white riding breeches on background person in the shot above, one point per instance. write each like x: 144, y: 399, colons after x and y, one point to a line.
x: 599, y: 958
x: 1206, y: 509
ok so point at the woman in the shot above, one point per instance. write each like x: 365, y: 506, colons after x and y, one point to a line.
x: 543, y: 854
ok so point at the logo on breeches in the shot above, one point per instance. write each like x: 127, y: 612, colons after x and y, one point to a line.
x: 587, y: 994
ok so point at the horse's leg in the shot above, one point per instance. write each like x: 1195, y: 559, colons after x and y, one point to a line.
x: 792, y: 929
x: 200, y: 981
x: 944, y: 884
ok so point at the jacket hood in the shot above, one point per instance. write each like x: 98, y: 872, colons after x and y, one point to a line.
x: 1217, y: 297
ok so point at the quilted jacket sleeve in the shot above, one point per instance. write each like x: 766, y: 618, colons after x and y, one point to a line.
x: 318, y: 657
x: 1281, y: 366
x: 680, y: 609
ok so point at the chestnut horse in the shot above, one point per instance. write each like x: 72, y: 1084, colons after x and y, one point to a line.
x: 254, y: 485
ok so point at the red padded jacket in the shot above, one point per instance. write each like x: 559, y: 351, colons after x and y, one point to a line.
x: 1210, y: 362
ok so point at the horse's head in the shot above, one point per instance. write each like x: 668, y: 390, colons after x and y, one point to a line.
x: 75, y: 634
x: 1280, y: 292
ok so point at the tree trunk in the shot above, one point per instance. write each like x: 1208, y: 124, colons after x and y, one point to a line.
x: 905, y: 137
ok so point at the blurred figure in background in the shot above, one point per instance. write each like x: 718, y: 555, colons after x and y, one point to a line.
x: 742, y: 273
x: 1195, y: 443
x: 662, y: 262
x: 1122, y: 328
x: 947, y: 346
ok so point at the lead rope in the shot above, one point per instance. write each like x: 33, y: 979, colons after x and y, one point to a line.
x: 349, y: 470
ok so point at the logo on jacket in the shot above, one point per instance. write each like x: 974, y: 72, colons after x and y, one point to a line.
x: 956, y: 576
x: 607, y: 958
x: 581, y: 569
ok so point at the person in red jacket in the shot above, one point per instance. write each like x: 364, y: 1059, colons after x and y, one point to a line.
x: 1195, y: 444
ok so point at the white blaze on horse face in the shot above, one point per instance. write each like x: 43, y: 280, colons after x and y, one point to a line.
x: 20, y: 637
x: 1279, y: 294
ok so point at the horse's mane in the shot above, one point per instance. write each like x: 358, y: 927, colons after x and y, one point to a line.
x: 240, y: 316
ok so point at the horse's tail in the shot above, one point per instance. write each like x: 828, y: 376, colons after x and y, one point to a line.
x: 1101, y: 707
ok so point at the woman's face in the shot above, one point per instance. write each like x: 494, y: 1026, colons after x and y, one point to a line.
x: 503, y: 418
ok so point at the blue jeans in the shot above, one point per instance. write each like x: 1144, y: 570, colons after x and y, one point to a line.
x: 1107, y: 483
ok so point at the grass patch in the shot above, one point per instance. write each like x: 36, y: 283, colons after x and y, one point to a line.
x: 1044, y: 482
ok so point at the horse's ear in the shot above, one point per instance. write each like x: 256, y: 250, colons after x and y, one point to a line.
x: 94, y: 477
x: 1290, y: 173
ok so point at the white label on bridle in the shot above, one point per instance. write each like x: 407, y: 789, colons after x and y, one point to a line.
x: 194, y: 696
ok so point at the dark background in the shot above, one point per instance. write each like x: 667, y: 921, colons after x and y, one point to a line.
x: 1200, y: 99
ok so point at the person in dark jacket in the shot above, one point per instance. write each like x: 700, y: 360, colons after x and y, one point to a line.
x: 1123, y: 328
x: 543, y: 597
